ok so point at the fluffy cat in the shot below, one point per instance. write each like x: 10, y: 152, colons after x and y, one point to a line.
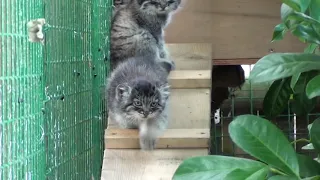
x: 137, y: 30
x: 137, y: 96
x: 119, y: 4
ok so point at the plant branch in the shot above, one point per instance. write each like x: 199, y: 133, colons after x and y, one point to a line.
x: 300, y: 140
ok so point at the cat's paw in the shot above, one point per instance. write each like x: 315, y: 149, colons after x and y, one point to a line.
x: 173, y: 65
x: 147, y: 143
x: 35, y: 30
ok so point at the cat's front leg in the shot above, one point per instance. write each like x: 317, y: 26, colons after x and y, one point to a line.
x: 148, y: 135
x: 149, y: 131
x: 164, y: 56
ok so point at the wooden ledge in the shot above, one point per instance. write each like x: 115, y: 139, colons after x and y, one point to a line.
x: 172, y: 138
x: 182, y: 79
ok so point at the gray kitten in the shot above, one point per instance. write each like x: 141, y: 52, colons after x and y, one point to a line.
x: 137, y: 96
x: 119, y: 4
x: 137, y: 30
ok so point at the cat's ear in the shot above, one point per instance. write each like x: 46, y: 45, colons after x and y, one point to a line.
x: 122, y: 90
x: 164, y: 90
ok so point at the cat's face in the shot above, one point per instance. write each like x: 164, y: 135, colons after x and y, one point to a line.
x: 142, y: 101
x: 158, y: 7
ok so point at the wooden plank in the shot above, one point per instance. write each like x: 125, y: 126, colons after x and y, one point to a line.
x: 189, y: 109
x: 236, y: 29
x: 130, y: 164
x: 191, y: 56
x: 238, y: 61
x: 190, y: 79
x: 172, y: 138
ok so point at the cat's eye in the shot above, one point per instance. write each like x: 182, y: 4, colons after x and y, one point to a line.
x: 170, y: 2
x: 154, y: 104
x: 137, y: 103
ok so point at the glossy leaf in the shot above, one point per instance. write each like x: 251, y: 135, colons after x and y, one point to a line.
x: 307, y: 166
x: 301, y: 104
x: 310, y: 48
x: 315, y: 134
x: 280, y: 65
x: 285, y: 11
x: 294, y: 80
x: 312, y: 178
x: 277, y: 97
x: 278, y: 32
x: 214, y: 167
x: 253, y: 174
x: 301, y: 17
x: 304, y: 4
x: 261, y: 174
x: 309, y: 127
x: 264, y: 141
x: 314, y: 9
x: 303, y: 80
x: 313, y: 87
x: 280, y: 177
x: 307, y: 32
x: 294, y: 4
x: 308, y: 147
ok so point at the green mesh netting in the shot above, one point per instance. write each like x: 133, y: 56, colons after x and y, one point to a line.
x: 22, y: 150
x: 51, y: 97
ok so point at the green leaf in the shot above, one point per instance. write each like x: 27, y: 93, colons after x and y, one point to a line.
x: 261, y: 174
x: 277, y: 97
x: 310, y: 48
x: 308, y: 147
x: 285, y: 11
x: 294, y: 80
x: 298, y: 16
x: 314, y: 9
x: 312, y: 178
x: 214, y: 167
x: 307, y: 166
x: 280, y: 177
x: 247, y: 174
x: 301, y: 104
x: 304, y: 4
x: 278, y: 32
x: 280, y: 65
x: 307, y: 32
x: 303, y: 80
x: 294, y: 4
x: 313, y: 87
x: 309, y: 127
x: 315, y: 134
x: 264, y: 141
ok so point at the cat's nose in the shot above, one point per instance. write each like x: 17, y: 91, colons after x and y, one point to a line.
x: 146, y: 113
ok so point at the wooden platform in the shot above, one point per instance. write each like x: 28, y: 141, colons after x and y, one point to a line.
x: 188, y: 133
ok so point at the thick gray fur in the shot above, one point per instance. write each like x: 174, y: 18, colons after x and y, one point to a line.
x: 137, y: 96
x: 119, y: 4
x: 137, y: 30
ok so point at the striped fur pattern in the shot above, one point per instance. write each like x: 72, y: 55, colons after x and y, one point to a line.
x: 137, y: 96
x: 137, y: 30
